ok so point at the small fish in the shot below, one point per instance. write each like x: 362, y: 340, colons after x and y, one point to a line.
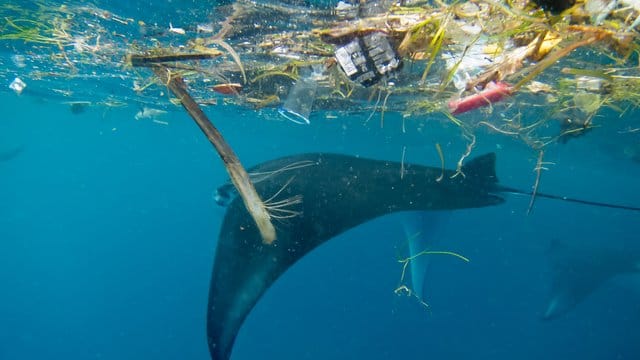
x: 10, y: 154
x: 149, y: 113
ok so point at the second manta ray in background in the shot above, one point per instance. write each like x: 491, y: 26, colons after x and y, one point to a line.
x: 10, y: 154
x: 578, y: 271
x: 317, y: 196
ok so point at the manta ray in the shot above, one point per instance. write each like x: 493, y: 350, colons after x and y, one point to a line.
x: 314, y: 197
x: 578, y: 271
x: 10, y: 154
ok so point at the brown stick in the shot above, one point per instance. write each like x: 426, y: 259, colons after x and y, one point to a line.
x: 237, y: 173
x: 151, y: 60
x: 553, y: 58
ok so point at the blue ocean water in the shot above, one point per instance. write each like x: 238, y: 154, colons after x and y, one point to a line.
x: 108, y: 232
x: 108, y: 229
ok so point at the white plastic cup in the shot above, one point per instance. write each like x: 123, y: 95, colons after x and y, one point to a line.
x: 297, y: 106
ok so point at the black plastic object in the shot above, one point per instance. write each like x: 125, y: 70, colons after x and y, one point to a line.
x: 368, y: 58
x: 555, y: 6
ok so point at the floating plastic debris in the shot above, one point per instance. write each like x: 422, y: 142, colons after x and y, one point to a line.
x: 18, y: 60
x: 466, y: 66
x: 591, y: 84
x: 204, y: 28
x: 493, y: 92
x: 454, y: 55
x: 297, y: 107
x: 227, y: 89
x: 368, y: 58
x: 176, y: 30
x: 539, y: 87
x: 17, y: 85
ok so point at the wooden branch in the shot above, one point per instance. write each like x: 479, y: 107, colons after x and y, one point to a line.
x: 239, y: 177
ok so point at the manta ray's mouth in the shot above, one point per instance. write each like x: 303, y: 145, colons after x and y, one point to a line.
x: 224, y: 194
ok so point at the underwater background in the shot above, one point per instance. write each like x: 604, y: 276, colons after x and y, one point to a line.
x: 108, y: 230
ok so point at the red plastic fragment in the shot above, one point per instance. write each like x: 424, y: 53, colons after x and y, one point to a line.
x: 493, y: 92
x: 227, y: 89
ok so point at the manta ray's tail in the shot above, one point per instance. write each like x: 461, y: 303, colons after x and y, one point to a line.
x: 565, y: 198
x: 483, y: 170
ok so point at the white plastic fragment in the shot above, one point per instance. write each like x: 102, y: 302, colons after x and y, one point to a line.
x: 599, y: 9
x: 18, y: 60
x: 341, y: 6
x: 180, y: 31
x: 590, y: 84
x: 204, y: 28
x: 635, y: 5
x: 17, y: 85
x: 346, y: 10
x: 473, y: 61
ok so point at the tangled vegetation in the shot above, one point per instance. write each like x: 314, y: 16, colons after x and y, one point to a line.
x: 508, y: 67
